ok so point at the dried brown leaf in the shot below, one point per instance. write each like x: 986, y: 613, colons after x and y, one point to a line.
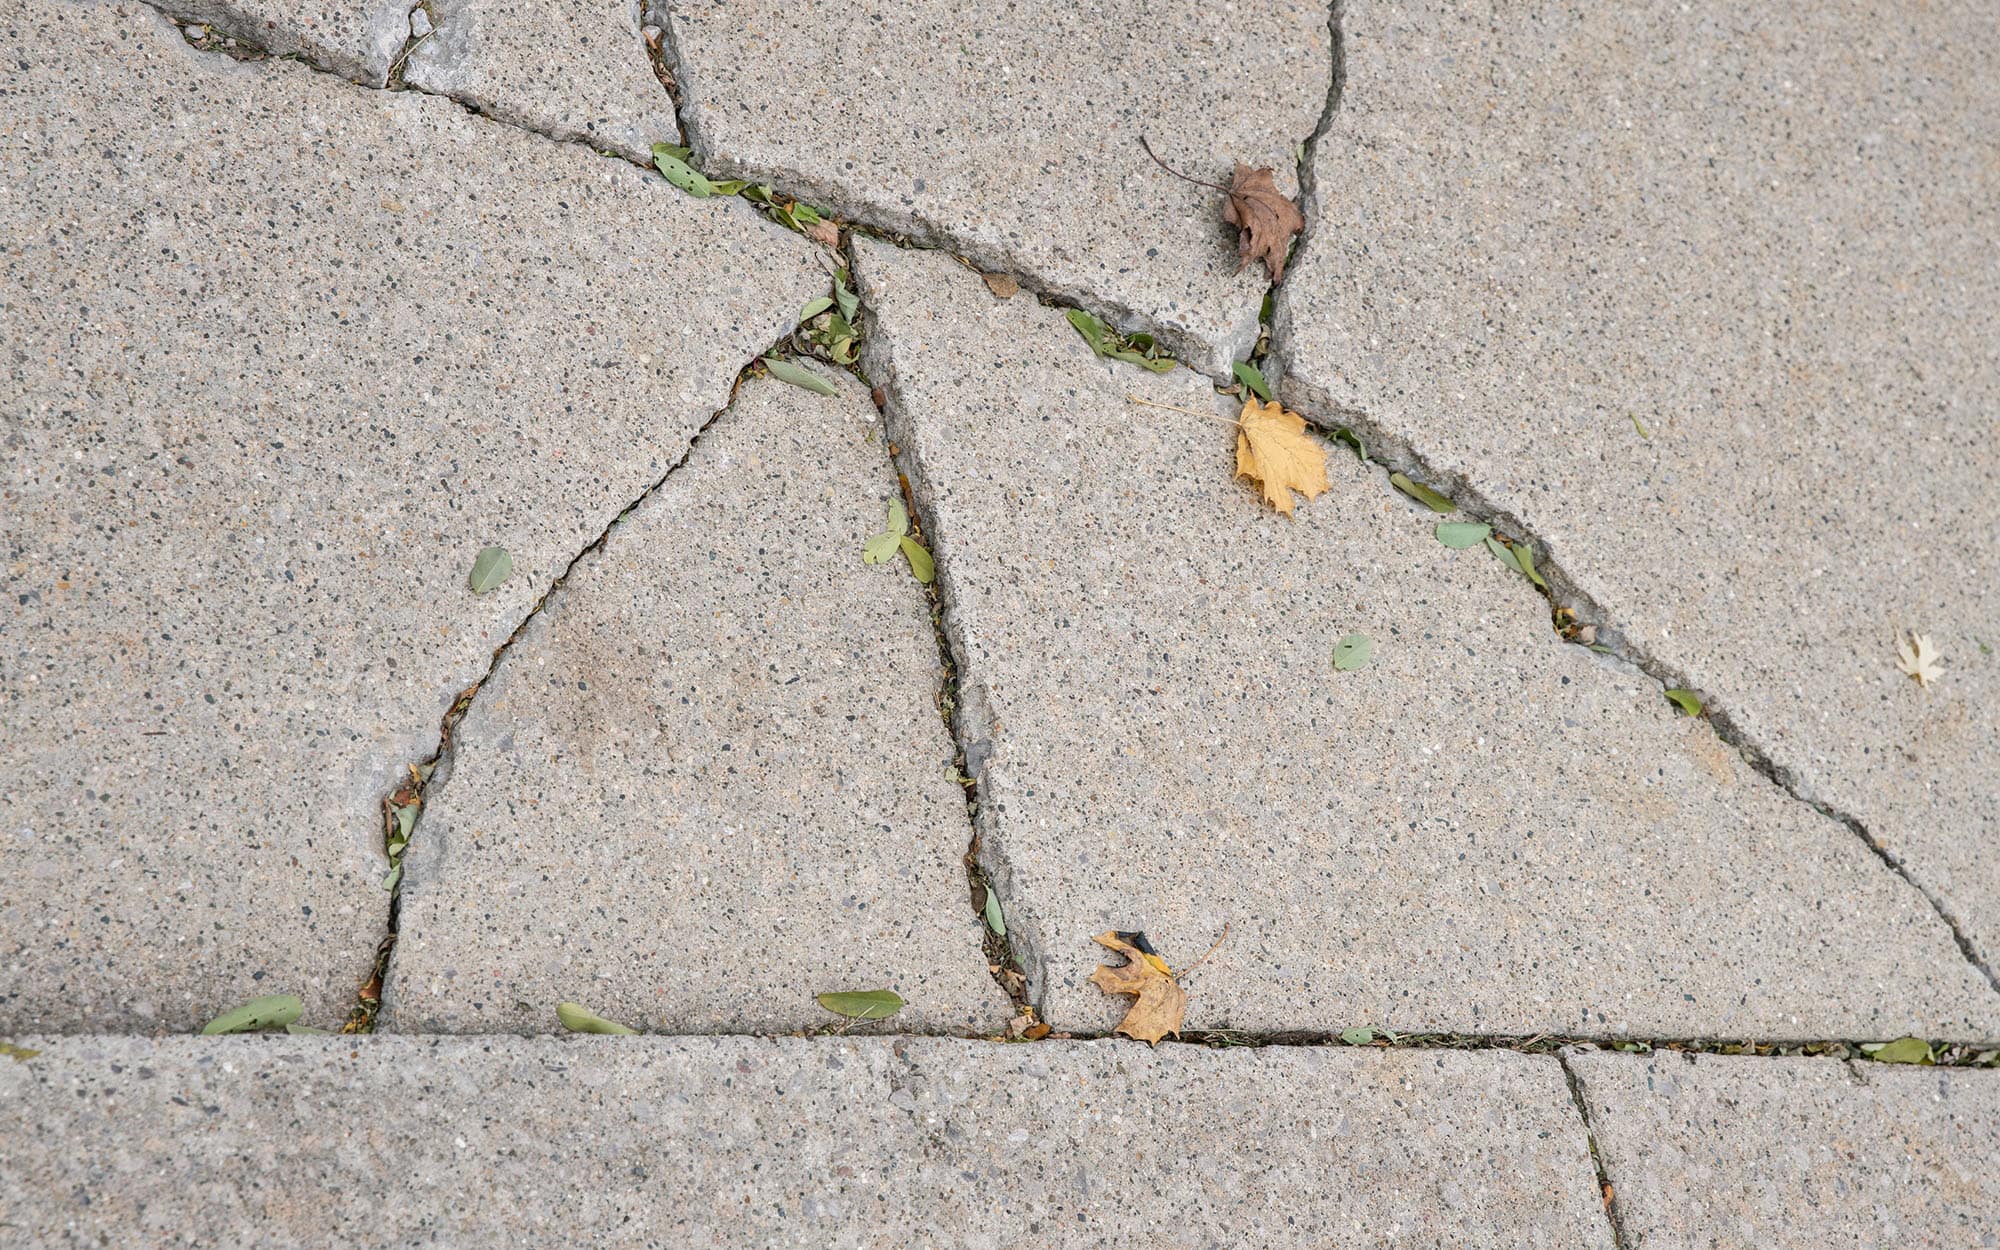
x: 1264, y: 217
x: 824, y: 231
x: 1273, y: 448
x: 1159, y: 1003
x: 1001, y: 285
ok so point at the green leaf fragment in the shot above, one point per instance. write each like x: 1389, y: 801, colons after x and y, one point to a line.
x: 1524, y: 559
x: 1352, y: 652
x: 815, y: 308
x: 1253, y: 377
x: 19, y: 1054
x: 1459, y: 535
x: 489, y: 568
x: 920, y: 560
x: 1088, y: 326
x: 1902, y: 1050
x: 994, y: 920
x: 730, y: 187
x: 673, y: 166
x: 270, y: 1012
x: 844, y: 297
x: 896, y: 518
x: 395, y: 876
x: 880, y: 548
x: 786, y: 371
x: 862, y: 1004
x: 579, y: 1019
x: 1686, y: 700
x: 1357, y: 1037
x: 1342, y: 434
x: 1422, y: 494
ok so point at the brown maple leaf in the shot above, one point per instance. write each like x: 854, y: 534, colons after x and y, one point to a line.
x: 1264, y: 217
x: 1273, y: 448
x: 1159, y: 1002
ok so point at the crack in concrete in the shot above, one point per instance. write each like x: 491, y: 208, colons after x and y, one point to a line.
x: 438, y: 767
x: 1604, y: 1188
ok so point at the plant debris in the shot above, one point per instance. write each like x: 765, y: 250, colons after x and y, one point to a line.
x: 1273, y: 448
x: 489, y: 568
x: 1918, y: 659
x: 896, y: 537
x: 1160, y: 1004
x: 273, y: 1011
x: 579, y: 1019
x: 1266, y: 220
x: 1134, y: 349
x: 1353, y: 652
x: 862, y: 1004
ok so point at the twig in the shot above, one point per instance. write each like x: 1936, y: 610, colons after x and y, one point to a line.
x: 1189, y: 971
x: 404, y: 55
x: 1206, y: 416
x: 1175, y: 172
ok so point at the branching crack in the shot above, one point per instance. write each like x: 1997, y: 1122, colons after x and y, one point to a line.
x: 410, y: 794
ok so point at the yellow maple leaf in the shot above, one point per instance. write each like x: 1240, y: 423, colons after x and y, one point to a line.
x: 1159, y: 1001
x: 1918, y: 659
x: 1273, y: 448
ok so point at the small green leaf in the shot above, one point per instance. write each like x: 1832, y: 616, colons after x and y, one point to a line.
x: 406, y: 820
x: 1503, y: 553
x: 880, y: 547
x: 786, y: 371
x: 806, y: 214
x: 1342, y: 434
x: 489, y: 568
x: 730, y: 187
x: 896, y: 518
x: 1352, y: 652
x: 994, y: 920
x: 1161, y: 364
x: 1253, y: 377
x: 1686, y: 700
x: 862, y: 1004
x: 306, y: 1030
x: 270, y: 1012
x: 1902, y: 1050
x: 578, y: 1019
x: 395, y: 875
x: 1459, y: 535
x: 1089, y: 327
x: 1357, y: 1037
x: 815, y: 308
x: 1524, y: 559
x: 920, y: 560
x: 19, y: 1054
x: 1422, y: 494
x: 848, y: 301
x: 673, y: 166
x: 1638, y: 427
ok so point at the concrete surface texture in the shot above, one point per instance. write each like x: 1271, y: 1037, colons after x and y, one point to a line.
x: 711, y: 780
x: 1162, y: 743
x: 1696, y: 304
x: 1720, y: 1151
x: 1704, y: 298
x: 1011, y: 133
x: 566, y: 69
x: 790, y: 1142
x: 281, y: 369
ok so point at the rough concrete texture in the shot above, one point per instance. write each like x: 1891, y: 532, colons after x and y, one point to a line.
x: 563, y: 67
x: 1768, y: 239
x: 1011, y: 132
x: 792, y: 1142
x: 1486, y: 830
x: 1721, y: 1151
x: 353, y: 38
x: 711, y: 780
x: 283, y: 355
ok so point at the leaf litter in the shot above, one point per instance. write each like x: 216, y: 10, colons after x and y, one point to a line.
x: 1266, y: 219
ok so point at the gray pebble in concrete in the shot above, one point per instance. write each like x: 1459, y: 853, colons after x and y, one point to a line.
x: 562, y: 67
x: 1011, y: 132
x: 1485, y: 830
x: 841, y: 1143
x: 1705, y: 296
x: 711, y: 779
x: 1722, y: 1152
x: 285, y: 354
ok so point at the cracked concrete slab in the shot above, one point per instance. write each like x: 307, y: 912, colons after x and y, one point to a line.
x: 567, y: 69
x: 1767, y: 239
x: 1011, y: 131
x: 833, y: 1142
x: 710, y: 780
x: 1722, y: 1151
x: 1487, y: 830
x: 282, y: 355
x: 355, y: 40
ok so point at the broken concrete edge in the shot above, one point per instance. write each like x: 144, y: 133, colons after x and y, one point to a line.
x: 1566, y: 595
x: 1604, y: 1186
